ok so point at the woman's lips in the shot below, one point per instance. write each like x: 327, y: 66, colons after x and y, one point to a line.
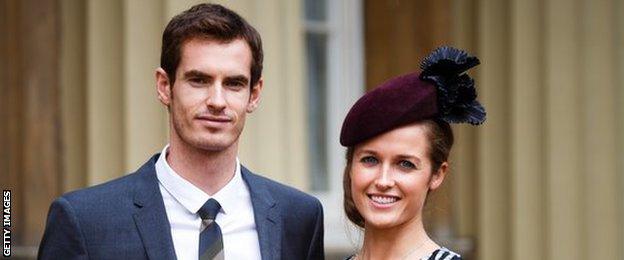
x: 383, y: 200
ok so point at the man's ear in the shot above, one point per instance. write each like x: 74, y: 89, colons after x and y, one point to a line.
x: 254, y: 97
x: 163, y: 87
x: 438, y: 177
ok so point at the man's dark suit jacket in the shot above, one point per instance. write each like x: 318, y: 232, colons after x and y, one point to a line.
x: 126, y: 219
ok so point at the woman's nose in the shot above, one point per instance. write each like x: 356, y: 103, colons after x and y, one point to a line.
x: 384, y: 179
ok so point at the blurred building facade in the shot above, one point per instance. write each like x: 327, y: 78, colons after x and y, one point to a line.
x: 541, y: 179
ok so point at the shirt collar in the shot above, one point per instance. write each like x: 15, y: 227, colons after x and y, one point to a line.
x: 192, y: 197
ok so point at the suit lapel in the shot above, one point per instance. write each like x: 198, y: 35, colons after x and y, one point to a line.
x: 266, y: 215
x: 151, y: 217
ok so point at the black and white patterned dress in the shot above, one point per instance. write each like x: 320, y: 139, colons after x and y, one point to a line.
x: 444, y: 254
x: 440, y: 254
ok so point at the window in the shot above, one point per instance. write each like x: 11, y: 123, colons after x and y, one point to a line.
x: 335, y: 79
x: 316, y: 41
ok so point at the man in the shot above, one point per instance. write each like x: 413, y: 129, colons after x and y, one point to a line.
x: 194, y: 200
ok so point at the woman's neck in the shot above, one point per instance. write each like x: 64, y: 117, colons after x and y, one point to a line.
x: 405, y: 241
x: 209, y: 171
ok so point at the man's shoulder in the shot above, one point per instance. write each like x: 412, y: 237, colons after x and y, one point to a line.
x: 118, y: 187
x: 114, y: 191
x: 283, y: 193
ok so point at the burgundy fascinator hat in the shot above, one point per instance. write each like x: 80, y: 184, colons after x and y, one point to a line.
x: 442, y: 91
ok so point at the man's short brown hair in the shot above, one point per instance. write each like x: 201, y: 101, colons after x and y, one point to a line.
x: 213, y: 22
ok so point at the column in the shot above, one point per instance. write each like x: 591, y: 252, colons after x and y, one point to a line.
x: 73, y: 94
x: 105, y: 92
x: 564, y: 215
x: 599, y: 162
x: 527, y: 130
x: 493, y: 137
x: 145, y: 118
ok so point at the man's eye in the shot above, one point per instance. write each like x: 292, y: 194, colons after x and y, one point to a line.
x: 369, y: 160
x: 198, y: 80
x: 236, y: 84
x: 407, y: 164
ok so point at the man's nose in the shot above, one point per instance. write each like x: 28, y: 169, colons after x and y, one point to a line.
x: 216, y: 98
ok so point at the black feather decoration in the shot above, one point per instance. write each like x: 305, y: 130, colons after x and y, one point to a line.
x: 445, y: 67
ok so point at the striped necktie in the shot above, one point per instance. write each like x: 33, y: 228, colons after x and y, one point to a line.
x: 210, y: 239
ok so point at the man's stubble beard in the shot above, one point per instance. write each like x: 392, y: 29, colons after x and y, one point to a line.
x: 210, y: 144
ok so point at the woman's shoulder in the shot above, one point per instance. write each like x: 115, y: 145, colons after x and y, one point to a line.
x: 444, y: 254
x: 440, y: 254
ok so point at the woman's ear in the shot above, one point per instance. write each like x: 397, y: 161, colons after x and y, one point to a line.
x: 438, y: 177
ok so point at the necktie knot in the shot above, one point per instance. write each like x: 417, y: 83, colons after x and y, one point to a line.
x: 209, y: 210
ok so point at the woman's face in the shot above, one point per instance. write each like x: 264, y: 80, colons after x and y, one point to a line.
x: 391, y: 175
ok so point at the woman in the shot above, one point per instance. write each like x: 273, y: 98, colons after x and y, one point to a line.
x: 398, y: 141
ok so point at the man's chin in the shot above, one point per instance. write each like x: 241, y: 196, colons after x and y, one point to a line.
x: 210, y: 142
x: 214, y: 144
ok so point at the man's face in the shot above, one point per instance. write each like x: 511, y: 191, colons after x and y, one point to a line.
x: 211, y: 94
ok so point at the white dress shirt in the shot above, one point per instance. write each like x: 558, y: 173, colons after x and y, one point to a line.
x: 183, y: 200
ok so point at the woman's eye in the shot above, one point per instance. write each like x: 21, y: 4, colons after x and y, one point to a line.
x: 407, y: 164
x: 368, y: 160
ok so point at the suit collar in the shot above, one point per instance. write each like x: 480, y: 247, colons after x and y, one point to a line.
x: 266, y: 214
x: 192, y: 197
x: 153, y: 225
x: 151, y: 217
